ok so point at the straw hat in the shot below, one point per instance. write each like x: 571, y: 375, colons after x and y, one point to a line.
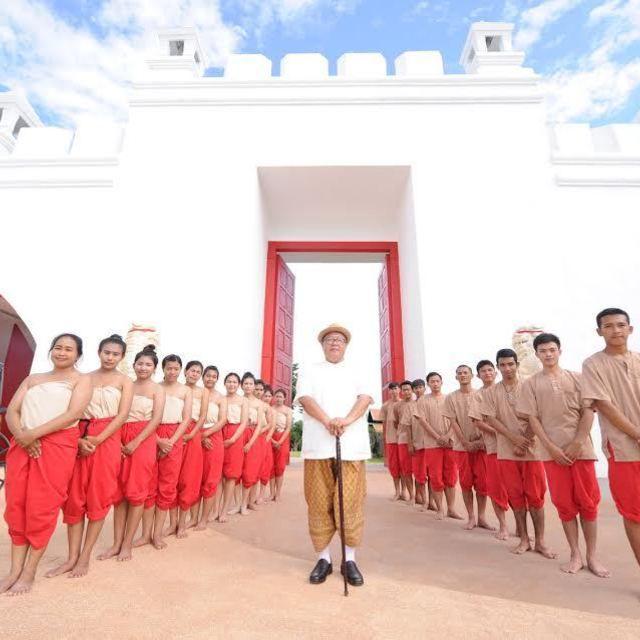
x: 335, y: 328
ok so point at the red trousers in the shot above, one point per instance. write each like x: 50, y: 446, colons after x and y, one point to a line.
x: 190, y: 479
x: 442, y: 468
x: 233, y: 455
x: 253, y: 458
x: 212, y: 460
x: 281, y: 455
x: 393, y: 463
x: 419, y: 466
x: 404, y: 459
x: 94, y: 483
x: 525, y: 483
x: 137, y: 470
x: 472, y: 468
x: 266, y: 472
x: 624, y: 482
x: 36, y: 488
x: 574, y: 489
x: 164, y: 483
x: 495, y: 486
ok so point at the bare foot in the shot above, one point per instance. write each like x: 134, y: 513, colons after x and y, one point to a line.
x: 244, y: 511
x: 61, y: 568
x: 440, y: 515
x: 471, y: 524
x: 170, y: 531
x: 523, y: 547
x: 109, y: 553
x: 8, y: 582
x: 573, y: 566
x: 404, y: 496
x: 483, y: 524
x: 253, y: 507
x: 23, y: 584
x: 159, y: 543
x: 597, y: 569
x: 140, y: 542
x: 213, y: 517
x: 395, y: 498
x: 454, y: 514
x: 81, y: 569
x: 545, y: 552
x: 181, y: 532
x: 125, y: 554
x: 502, y: 534
x: 201, y: 526
x: 433, y: 506
x: 191, y: 524
x: 234, y: 511
x: 222, y: 518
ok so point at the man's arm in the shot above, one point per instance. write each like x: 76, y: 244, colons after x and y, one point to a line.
x: 555, y: 451
x: 312, y: 408
x: 574, y: 448
x: 617, y: 418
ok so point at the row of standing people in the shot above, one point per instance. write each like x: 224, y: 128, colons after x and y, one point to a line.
x: 83, y: 443
x: 511, y: 440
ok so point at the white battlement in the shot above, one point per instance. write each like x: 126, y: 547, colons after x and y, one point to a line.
x: 15, y: 114
x: 575, y: 140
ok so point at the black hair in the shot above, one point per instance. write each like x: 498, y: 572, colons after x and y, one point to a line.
x: 172, y: 357
x: 262, y: 382
x: 268, y: 389
x: 433, y: 373
x: 230, y: 375
x: 114, y: 338
x: 545, y: 338
x: 73, y: 336
x: 193, y: 363
x: 466, y: 366
x: 612, y: 311
x: 150, y: 352
x: 484, y: 363
x: 405, y: 383
x: 418, y: 382
x: 248, y: 375
x: 208, y: 368
x: 282, y: 391
x: 506, y: 353
x: 393, y: 385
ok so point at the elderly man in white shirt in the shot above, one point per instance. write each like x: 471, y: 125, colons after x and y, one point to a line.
x: 334, y: 404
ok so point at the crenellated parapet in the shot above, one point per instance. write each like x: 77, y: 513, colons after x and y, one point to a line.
x: 16, y: 114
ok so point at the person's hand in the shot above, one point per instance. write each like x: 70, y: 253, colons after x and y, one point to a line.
x: 85, y: 448
x: 478, y: 445
x: 276, y: 444
x: 247, y: 447
x: 206, y: 443
x: 130, y: 447
x: 25, y: 438
x: 573, y: 450
x: 34, y: 449
x: 93, y: 440
x: 519, y: 442
x: 188, y: 436
x: 337, y: 426
x: 227, y: 443
x: 560, y: 456
x: 442, y: 441
x: 164, y: 445
x: 520, y: 452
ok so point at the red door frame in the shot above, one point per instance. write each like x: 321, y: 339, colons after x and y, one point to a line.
x: 390, y: 249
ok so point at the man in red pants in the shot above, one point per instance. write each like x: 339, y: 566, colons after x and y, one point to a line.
x: 391, y: 439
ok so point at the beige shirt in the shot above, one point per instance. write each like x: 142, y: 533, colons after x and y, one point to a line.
x: 433, y: 408
x: 475, y: 412
x: 213, y: 413
x: 234, y: 413
x: 173, y: 407
x: 281, y: 422
x: 615, y: 379
x: 105, y: 402
x: 403, y: 410
x: 417, y: 431
x: 141, y: 409
x: 456, y: 407
x: 44, y: 402
x: 196, y: 405
x: 557, y: 402
x: 388, y: 418
x: 253, y: 416
x: 498, y: 403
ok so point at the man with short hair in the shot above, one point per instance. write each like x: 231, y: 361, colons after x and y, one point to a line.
x: 469, y: 448
x: 334, y: 403
x: 552, y: 401
x: 611, y: 383
x: 390, y: 434
x: 495, y: 487
x: 403, y: 411
x: 416, y: 445
x: 518, y: 457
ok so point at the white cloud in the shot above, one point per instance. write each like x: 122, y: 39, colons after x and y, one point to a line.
x: 535, y: 19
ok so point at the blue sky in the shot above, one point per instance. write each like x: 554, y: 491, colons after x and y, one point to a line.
x: 75, y: 58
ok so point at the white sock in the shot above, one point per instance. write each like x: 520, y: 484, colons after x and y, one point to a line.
x: 349, y: 553
x: 325, y: 554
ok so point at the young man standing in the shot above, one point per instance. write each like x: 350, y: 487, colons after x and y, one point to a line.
x: 611, y: 381
x: 391, y: 438
x: 416, y: 439
x: 470, y: 454
x: 518, y: 458
x: 402, y: 415
x: 495, y: 487
x: 551, y: 400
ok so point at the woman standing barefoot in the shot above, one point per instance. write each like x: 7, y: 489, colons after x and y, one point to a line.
x: 212, y: 450
x: 43, y: 419
x: 281, y: 441
x: 237, y: 409
x: 138, y: 447
x: 94, y: 483
x: 266, y: 472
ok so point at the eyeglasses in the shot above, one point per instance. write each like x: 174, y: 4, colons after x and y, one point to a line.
x: 335, y: 340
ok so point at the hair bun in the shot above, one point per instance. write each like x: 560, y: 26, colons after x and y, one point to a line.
x: 150, y: 347
x: 116, y: 336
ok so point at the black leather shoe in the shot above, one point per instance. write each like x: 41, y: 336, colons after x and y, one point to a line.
x: 354, y: 577
x: 320, y: 572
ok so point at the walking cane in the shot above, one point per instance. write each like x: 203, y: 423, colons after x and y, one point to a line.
x: 341, y: 509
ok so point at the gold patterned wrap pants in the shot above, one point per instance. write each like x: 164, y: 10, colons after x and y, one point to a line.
x: 321, y: 494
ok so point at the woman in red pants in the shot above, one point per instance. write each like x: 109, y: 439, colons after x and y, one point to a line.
x: 281, y: 439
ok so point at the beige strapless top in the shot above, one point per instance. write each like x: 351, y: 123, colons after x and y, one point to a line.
x: 105, y: 402
x: 196, y: 405
x: 45, y: 401
x: 173, y: 407
x: 281, y: 421
x: 213, y: 413
x: 141, y: 409
x: 234, y: 413
x: 253, y: 416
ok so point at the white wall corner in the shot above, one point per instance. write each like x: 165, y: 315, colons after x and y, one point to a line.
x: 16, y: 113
x: 43, y: 142
x: 488, y: 50
x: 572, y: 139
x: 247, y: 66
x: 419, y: 64
x: 617, y: 138
x: 178, y: 55
x: 362, y: 65
x: 304, y: 66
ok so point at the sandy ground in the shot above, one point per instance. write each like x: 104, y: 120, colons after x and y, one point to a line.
x: 248, y: 579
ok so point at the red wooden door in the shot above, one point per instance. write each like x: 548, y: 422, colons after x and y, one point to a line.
x: 283, y: 347
x: 386, y: 361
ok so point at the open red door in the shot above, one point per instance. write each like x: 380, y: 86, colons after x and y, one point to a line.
x: 283, y: 347
x: 386, y: 363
